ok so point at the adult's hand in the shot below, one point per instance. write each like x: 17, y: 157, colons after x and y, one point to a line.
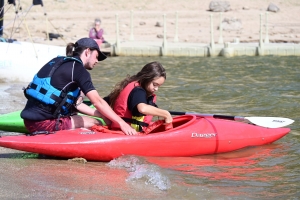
x: 107, y: 112
x: 127, y: 129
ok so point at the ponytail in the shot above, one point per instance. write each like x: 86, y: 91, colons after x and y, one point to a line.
x: 74, y: 50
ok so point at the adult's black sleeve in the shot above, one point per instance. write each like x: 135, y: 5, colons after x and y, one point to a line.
x: 83, y: 79
x: 106, y: 99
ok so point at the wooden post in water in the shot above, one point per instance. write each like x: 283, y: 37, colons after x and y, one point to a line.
x: 118, y: 47
x: 260, y: 32
x: 267, y: 32
x: 221, y: 30
x: 261, y: 43
x: 131, y: 26
x: 176, y: 28
x: 212, y: 42
x: 164, y: 45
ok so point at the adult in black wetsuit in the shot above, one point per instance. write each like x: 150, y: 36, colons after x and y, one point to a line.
x: 58, y: 88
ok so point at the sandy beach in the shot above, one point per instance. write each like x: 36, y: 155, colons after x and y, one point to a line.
x: 73, y: 19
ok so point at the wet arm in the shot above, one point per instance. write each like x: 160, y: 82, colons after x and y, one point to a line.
x: 151, y: 110
x: 107, y: 112
x: 85, y: 109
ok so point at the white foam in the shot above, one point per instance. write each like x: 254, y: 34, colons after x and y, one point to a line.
x: 140, y: 170
x: 152, y: 176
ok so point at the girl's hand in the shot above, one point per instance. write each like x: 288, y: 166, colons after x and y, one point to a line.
x: 169, y: 118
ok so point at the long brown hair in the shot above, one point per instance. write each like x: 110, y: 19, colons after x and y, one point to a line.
x: 147, y: 74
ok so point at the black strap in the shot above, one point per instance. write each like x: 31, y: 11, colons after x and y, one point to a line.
x: 56, y: 65
x: 56, y: 99
x: 134, y: 121
x: 58, y: 109
x: 33, y: 86
x: 39, y: 133
x: 57, y: 122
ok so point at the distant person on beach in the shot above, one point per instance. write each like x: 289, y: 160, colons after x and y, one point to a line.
x: 97, y: 32
x: 134, y: 98
x: 57, y: 90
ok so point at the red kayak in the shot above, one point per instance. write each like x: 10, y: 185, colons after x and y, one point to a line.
x: 190, y: 136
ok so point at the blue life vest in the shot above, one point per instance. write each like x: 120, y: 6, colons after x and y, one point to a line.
x: 40, y: 90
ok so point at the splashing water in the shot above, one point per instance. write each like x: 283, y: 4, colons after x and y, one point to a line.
x: 140, y: 170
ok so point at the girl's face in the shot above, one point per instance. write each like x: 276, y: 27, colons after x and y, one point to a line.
x: 153, y: 86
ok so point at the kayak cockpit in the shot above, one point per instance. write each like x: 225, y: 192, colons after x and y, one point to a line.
x: 178, y: 122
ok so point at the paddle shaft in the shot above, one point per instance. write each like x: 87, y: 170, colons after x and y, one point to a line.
x: 207, y: 115
x: 267, y: 122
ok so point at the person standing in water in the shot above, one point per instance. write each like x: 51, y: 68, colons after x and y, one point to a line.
x: 57, y: 90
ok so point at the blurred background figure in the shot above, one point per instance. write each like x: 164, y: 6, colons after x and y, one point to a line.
x: 97, y: 32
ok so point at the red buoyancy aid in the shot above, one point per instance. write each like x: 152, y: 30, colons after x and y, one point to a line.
x: 121, y: 108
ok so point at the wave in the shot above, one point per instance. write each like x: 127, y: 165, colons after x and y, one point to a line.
x: 140, y: 170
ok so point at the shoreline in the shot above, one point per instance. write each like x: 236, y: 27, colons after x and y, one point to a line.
x: 73, y: 21
x: 12, y: 97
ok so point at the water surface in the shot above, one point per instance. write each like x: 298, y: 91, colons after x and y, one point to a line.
x: 244, y: 86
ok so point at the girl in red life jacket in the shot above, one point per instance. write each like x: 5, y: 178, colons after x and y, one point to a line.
x: 133, y: 98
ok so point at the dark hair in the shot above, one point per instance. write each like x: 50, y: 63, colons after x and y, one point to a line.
x: 73, y: 50
x: 147, y: 74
